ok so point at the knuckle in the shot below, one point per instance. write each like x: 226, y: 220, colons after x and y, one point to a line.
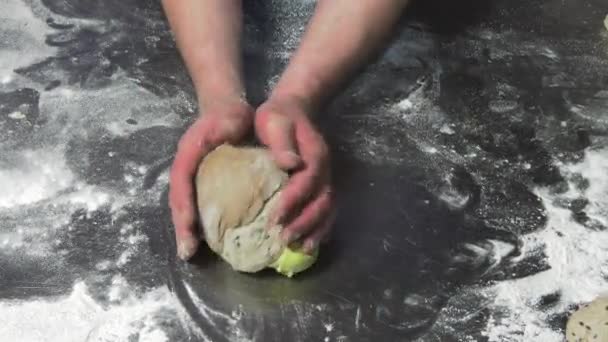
x: 279, y: 126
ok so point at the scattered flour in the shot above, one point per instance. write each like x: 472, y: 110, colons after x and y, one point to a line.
x: 21, y: 30
x: 39, y: 177
x: 90, y: 197
x: 578, y: 257
x: 17, y: 116
x: 78, y: 317
x: 212, y: 316
x: 41, y: 174
x: 134, y: 243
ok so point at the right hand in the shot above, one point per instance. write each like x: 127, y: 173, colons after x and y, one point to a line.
x: 227, y: 122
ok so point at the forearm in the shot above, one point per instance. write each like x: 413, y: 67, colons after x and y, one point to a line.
x: 208, y: 35
x: 340, y: 37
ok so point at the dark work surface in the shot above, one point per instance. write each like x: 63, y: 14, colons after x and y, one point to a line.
x: 426, y: 186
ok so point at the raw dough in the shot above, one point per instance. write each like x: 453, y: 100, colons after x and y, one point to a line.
x: 589, y: 323
x: 236, y: 190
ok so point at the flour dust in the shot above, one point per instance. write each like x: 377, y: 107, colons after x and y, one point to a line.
x: 79, y: 317
x: 577, y: 254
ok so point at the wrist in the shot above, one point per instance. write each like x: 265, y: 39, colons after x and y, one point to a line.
x: 212, y: 94
x: 233, y: 107
x: 219, y: 85
x: 209, y: 101
x: 289, y: 104
x: 301, y: 88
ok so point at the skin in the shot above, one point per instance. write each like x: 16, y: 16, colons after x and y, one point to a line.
x: 208, y: 34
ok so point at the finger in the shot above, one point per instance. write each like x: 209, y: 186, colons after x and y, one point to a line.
x: 186, y: 239
x: 181, y: 192
x: 311, y: 242
x: 302, y: 184
x: 278, y: 133
x: 310, y: 217
x: 310, y: 143
x: 297, y: 191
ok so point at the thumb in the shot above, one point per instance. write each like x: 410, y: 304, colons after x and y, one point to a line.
x: 277, y: 131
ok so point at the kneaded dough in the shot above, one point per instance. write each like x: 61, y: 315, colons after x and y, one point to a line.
x: 236, y: 189
x: 589, y: 323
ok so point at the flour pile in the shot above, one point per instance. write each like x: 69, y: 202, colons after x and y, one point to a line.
x: 578, y: 257
x: 79, y: 317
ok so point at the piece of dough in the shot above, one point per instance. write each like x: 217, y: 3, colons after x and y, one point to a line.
x: 589, y: 323
x: 236, y: 190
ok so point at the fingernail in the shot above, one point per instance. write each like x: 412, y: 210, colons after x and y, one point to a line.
x: 310, y: 246
x: 289, y: 237
x: 186, y: 248
x: 288, y: 160
x: 291, y: 154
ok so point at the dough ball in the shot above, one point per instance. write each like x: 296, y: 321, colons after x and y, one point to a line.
x: 589, y: 323
x: 236, y: 190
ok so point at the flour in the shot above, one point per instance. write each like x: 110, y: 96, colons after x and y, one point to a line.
x: 78, y: 317
x: 38, y: 175
x: 208, y: 312
x: 6, y: 79
x: 16, y: 37
x: 17, y: 115
x: 43, y: 190
x: 578, y: 257
x: 87, y: 196
x: 133, y: 242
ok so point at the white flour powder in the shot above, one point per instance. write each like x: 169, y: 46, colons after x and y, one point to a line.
x: 578, y: 257
x: 38, y: 175
x: 78, y: 317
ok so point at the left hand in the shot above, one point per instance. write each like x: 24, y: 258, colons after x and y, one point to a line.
x: 306, y: 205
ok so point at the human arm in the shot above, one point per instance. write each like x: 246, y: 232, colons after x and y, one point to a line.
x: 341, y: 36
x: 208, y: 37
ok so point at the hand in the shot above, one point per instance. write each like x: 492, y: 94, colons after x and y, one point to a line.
x: 227, y: 122
x: 306, y: 207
